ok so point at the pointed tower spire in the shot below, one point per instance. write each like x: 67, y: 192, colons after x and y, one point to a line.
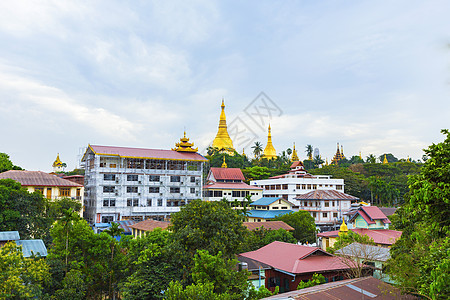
x: 269, y: 151
x: 243, y: 152
x: 222, y: 141
x: 385, y: 161
x: 360, y: 155
x: 343, y: 229
x: 224, y: 164
x: 294, y: 154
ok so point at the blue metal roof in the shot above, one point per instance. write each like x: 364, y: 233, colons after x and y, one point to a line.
x: 30, y: 247
x: 265, y: 201
x: 9, y: 236
x: 268, y: 214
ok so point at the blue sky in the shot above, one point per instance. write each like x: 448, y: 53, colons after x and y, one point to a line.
x: 371, y: 75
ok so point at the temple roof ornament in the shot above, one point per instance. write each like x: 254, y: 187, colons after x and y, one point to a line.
x: 385, y: 161
x: 269, y: 151
x: 294, y: 154
x: 57, y: 162
x: 224, y: 164
x: 338, y: 156
x: 184, y: 145
x: 343, y: 229
x: 222, y: 141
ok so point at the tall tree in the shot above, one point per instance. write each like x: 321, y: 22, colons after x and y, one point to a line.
x: 309, y: 151
x: 421, y: 257
x: 371, y: 159
x: 6, y: 164
x: 303, y: 223
x: 257, y: 149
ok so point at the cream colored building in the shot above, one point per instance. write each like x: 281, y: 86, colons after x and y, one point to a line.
x: 51, y: 186
x: 267, y: 208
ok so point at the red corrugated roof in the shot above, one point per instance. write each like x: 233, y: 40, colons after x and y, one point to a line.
x: 379, y: 236
x: 146, y: 153
x: 296, y: 259
x: 326, y: 195
x: 375, y: 213
x: 37, y: 178
x: 271, y: 225
x: 227, y: 174
x: 364, y: 216
x: 230, y: 185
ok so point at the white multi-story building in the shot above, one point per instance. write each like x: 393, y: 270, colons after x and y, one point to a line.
x: 296, y: 182
x: 137, y: 184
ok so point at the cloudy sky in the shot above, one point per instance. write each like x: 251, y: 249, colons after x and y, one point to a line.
x: 371, y: 75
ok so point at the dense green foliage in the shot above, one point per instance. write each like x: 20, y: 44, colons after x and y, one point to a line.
x: 303, y: 224
x: 315, y: 280
x: 6, y: 164
x: 260, y: 237
x: 349, y: 238
x: 20, y: 277
x: 421, y: 257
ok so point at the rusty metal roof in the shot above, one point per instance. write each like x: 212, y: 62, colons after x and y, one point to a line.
x: 37, y: 178
x: 349, y: 289
x: 227, y: 174
x: 326, y: 195
x: 149, y: 225
x: 269, y: 225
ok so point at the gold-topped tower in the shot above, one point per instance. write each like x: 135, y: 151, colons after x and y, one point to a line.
x: 57, y: 164
x: 385, y: 161
x: 224, y: 164
x: 338, y: 156
x: 294, y: 154
x: 343, y: 229
x: 269, y: 151
x: 184, y: 145
x: 222, y: 141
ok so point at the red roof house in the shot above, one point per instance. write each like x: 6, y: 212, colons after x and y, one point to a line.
x: 291, y: 263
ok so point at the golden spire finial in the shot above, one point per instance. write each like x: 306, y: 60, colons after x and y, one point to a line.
x: 360, y: 155
x: 385, y: 161
x: 222, y: 141
x: 343, y: 229
x: 243, y: 152
x: 294, y: 154
x: 224, y: 164
x: 269, y: 151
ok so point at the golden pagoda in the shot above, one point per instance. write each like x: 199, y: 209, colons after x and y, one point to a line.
x: 224, y: 164
x: 294, y: 154
x: 343, y: 229
x: 57, y: 164
x: 269, y: 151
x: 385, y: 161
x: 243, y: 152
x: 360, y: 155
x: 184, y: 145
x: 338, y: 156
x: 222, y: 141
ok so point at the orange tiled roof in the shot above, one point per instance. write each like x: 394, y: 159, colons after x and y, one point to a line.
x: 270, y: 225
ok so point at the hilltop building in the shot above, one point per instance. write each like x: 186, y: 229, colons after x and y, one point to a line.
x: 51, y: 186
x: 269, y: 151
x: 57, y: 165
x: 137, y: 184
x: 228, y: 183
x: 295, y: 183
x: 222, y: 141
x: 294, y: 156
x: 338, y: 156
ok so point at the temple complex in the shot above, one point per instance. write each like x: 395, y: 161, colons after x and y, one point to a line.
x: 338, y: 156
x: 269, y: 151
x: 222, y: 141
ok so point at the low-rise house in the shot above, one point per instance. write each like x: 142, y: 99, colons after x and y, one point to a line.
x: 271, y: 225
x: 369, y: 217
x: 228, y: 183
x: 327, y: 207
x: 373, y: 256
x: 52, y: 187
x: 139, y: 229
x: 349, y: 289
x: 268, y: 208
x: 29, y: 247
x: 366, y: 218
x: 291, y: 263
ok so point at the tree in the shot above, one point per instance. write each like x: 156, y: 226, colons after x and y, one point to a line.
x: 261, y: 237
x: 200, y: 225
x: 20, y: 277
x: 309, y: 151
x: 389, y: 157
x: 318, y: 161
x: 151, y: 266
x: 257, y: 149
x: 303, y: 224
x: 289, y: 151
x: 350, y: 238
x: 421, y: 257
x: 256, y: 173
x: 315, y: 280
x: 23, y: 211
x: 371, y: 159
x: 6, y: 164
